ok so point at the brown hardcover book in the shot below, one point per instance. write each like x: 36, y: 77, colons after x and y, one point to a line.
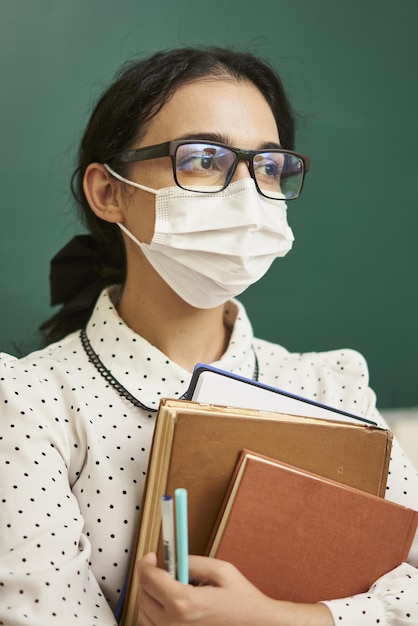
x: 301, y: 537
x: 196, y: 446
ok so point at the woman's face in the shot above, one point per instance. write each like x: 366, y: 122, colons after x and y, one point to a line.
x: 223, y: 110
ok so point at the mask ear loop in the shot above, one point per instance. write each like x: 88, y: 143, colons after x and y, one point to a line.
x: 129, y: 182
x: 129, y: 234
x: 133, y: 184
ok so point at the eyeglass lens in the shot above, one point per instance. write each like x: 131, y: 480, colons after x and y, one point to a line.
x: 208, y: 167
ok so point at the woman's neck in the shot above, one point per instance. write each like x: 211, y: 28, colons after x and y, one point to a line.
x: 185, y: 334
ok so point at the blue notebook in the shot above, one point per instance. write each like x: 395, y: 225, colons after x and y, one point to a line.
x: 211, y: 385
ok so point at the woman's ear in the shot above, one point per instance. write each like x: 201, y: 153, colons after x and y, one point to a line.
x: 103, y: 193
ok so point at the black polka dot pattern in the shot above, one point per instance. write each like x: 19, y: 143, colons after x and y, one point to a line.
x: 73, y: 460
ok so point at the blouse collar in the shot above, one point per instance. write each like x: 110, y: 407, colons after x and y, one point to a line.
x: 146, y: 372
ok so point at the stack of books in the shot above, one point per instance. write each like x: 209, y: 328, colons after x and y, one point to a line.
x: 294, y: 499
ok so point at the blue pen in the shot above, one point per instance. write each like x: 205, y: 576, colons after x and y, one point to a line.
x: 182, y: 540
x: 168, y: 534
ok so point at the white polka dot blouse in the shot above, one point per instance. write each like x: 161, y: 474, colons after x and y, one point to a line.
x: 74, y: 444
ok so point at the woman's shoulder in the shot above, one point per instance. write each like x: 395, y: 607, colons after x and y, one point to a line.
x: 338, y: 378
x: 36, y: 364
x: 337, y: 359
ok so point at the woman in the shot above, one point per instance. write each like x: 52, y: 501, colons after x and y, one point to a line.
x: 180, y: 229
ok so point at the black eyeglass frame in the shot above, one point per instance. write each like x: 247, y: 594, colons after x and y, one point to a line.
x: 169, y: 148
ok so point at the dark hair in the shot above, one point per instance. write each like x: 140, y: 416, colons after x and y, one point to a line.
x: 119, y: 119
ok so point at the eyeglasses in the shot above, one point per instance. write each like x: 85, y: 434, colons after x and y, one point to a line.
x: 208, y: 167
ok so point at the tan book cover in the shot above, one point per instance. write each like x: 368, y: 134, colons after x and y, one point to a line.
x: 301, y: 537
x: 196, y: 446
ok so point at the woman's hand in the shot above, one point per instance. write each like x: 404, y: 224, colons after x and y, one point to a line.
x: 220, y: 596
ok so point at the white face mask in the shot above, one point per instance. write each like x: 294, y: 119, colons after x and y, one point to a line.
x: 209, y: 247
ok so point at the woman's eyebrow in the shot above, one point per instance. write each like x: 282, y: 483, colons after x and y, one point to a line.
x: 216, y: 137
x: 270, y: 145
x: 220, y: 138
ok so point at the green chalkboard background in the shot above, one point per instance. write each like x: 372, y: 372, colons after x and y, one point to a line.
x: 351, y: 71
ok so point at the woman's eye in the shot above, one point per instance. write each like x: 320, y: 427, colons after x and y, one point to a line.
x: 206, y: 162
x: 269, y: 165
x: 197, y: 162
x: 272, y: 169
x: 269, y: 169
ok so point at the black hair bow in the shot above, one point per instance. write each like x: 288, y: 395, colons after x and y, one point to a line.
x: 76, y: 274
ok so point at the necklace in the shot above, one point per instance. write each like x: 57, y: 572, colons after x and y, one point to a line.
x: 108, y: 376
x: 121, y: 390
